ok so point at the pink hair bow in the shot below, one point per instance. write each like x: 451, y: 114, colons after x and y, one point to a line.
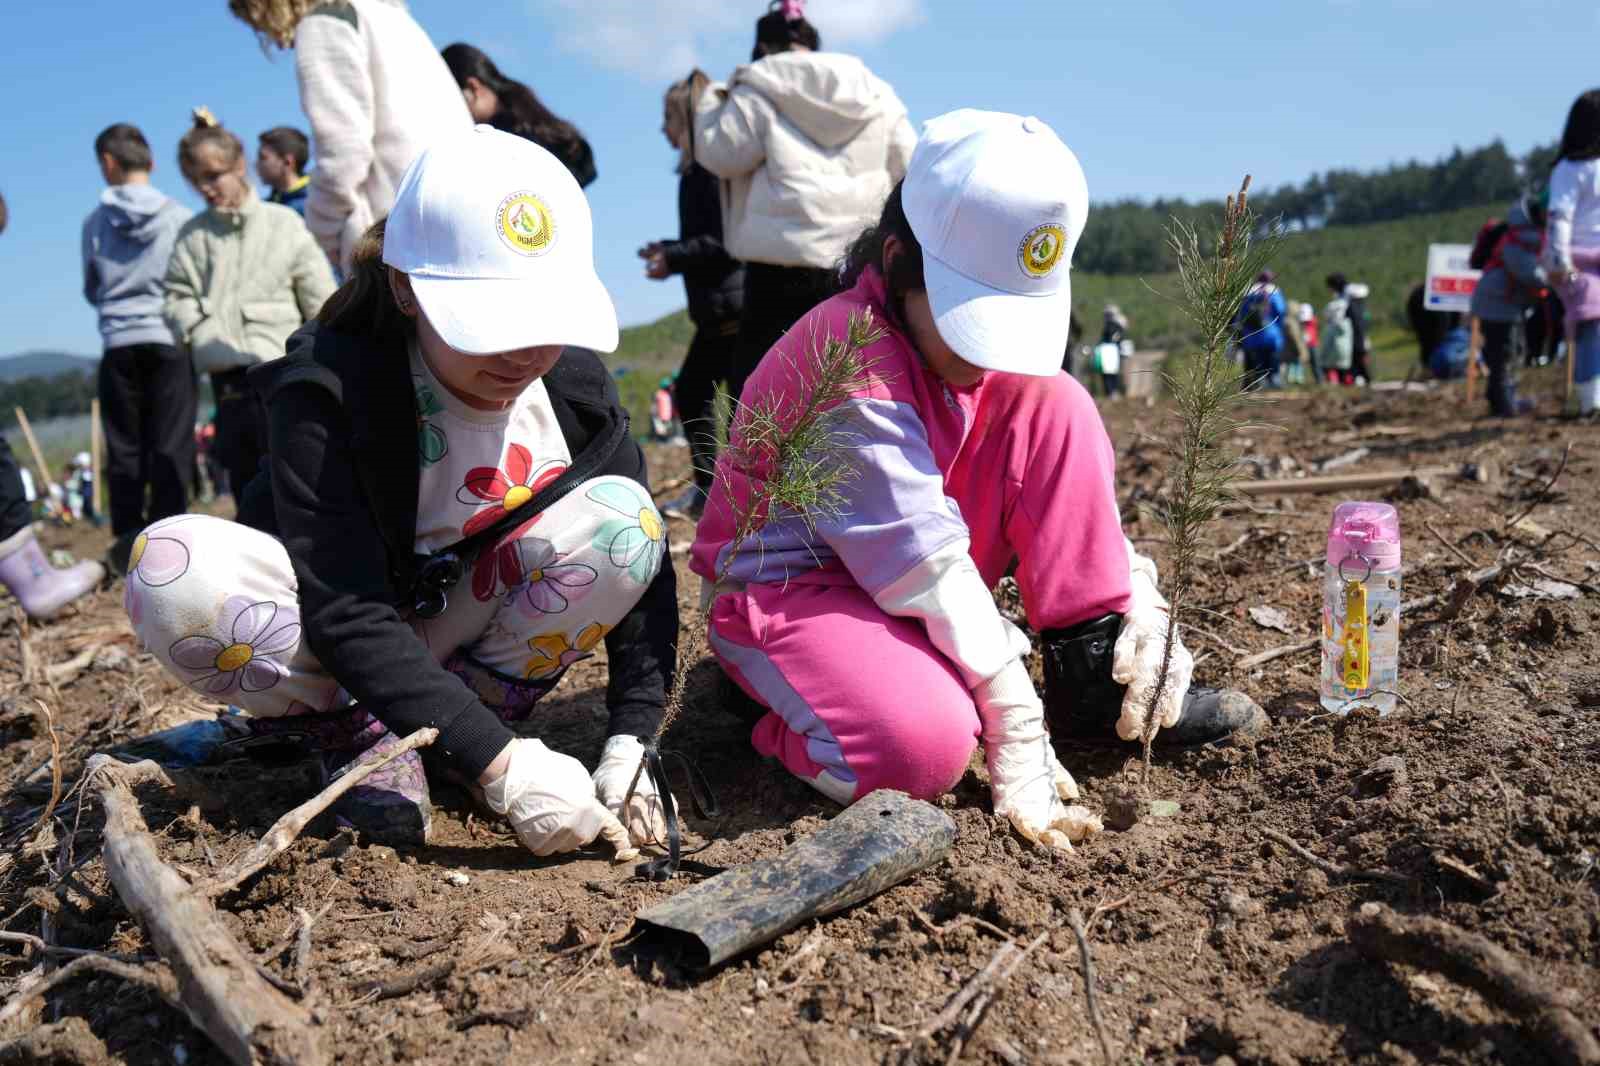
x: 793, y: 10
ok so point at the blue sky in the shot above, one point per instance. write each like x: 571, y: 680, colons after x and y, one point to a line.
x: 1157, y: 97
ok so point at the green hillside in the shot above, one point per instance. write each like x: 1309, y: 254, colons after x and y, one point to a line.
x: 1390, y: 257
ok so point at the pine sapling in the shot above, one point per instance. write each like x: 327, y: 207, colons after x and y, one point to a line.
x: 1212, y: 398
x: 794, y: 453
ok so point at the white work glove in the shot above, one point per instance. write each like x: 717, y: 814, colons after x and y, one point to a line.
x: 1136, y: 657
x: 550, y: 801
x: 1028, y: 782
x: 646, y: 818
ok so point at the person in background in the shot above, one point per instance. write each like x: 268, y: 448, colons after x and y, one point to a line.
x: 243, y: 276
x: 1335, y: 337
x: 713, y: 281
x: 662, y: 415
x: 509, y: 105
x: 146, y: 383
x: 1429, y: 327
x: 1259, y: 326
x: 1354, y: 295
x: 1309, y: 334
x: 807, y: 145
x: 868, y: 637
x: 40, y: 588
x: 83, y: 470
x: 1108, y: 353
x: 1509, y: 285
x: 281, y: 158
x: 375, y: 91
x: 1573, y: 244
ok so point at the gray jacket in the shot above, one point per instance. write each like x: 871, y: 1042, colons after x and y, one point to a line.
x: 127, y: 241
x: 1508, y: 286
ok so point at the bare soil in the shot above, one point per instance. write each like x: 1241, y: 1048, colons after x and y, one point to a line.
x: 1213, y: 945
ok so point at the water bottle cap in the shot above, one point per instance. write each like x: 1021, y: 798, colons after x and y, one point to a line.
x: 1365, y: 530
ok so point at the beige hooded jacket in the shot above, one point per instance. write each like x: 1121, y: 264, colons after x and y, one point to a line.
x: 239, y: 282
x: 808, y: 146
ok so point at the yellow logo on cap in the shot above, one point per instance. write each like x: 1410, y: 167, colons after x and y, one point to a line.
x: 1041, y: 249
x: 525, y: 224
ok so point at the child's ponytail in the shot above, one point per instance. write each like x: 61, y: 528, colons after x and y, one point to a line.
x: 784, y: 27
x: 364, y: 305
x: 207, y: 131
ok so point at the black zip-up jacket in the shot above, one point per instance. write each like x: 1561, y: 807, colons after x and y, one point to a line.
x: 712, y: 279
x: 340, y: 492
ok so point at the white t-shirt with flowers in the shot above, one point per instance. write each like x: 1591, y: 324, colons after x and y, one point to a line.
x: 478, y: 465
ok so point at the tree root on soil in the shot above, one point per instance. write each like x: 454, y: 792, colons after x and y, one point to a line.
x: 1550, y: 1016
x: 1333, y: 869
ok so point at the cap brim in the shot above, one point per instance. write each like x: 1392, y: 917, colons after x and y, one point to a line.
x: 482, y: 316
x: 999, y: 330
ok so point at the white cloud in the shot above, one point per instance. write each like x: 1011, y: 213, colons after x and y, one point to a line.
x: 656, y: 39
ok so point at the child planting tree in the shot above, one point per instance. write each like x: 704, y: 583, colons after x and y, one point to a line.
x: 453, y: 514
x: 866, y: 631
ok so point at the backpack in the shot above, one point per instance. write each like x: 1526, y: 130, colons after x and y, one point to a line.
x: 1487, y: 243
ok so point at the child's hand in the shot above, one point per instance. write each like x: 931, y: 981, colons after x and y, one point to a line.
x: 1028, y: 783
x: 1136, y: 663
x: 620, y: 763
x: 550, y: 802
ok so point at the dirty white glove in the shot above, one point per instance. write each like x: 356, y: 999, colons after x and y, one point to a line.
x: 1027, y: 781
x: 1136, y: 657
x: 550, y: 801
x: 645, y: 819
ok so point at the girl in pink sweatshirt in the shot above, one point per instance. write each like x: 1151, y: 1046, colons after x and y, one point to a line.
x: 871, y: 639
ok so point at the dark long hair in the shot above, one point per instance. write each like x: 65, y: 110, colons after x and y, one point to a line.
x: 520, y: 112
x: 364, y: 305
x: 1581, y: 138
x: 905, y: 270
x: 777, y: 32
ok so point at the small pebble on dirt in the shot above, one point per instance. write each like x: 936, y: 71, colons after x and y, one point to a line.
x: 1388, y: 774
x: 457, y: 878
x: 1123, y: 811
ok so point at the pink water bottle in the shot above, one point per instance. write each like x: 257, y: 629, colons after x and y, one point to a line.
x: 1361, y: 608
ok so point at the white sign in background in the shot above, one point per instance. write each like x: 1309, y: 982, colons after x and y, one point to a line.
x: 1450, y: 280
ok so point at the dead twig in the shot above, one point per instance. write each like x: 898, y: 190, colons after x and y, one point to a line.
x: 287, y: 828
x: 1551, y: 1016
x: 38, y: 944
x: 157, y: 979
x: 55, y: 770
x: 1333, y: 869
x: 1086, y: 964
x: 1538, y: 497
x: 1261, y: 658
x: 61, y: 674
x: 1451, y: 548
x: 406, y: 983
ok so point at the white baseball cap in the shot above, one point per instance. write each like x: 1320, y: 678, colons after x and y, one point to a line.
x: 998, y: 204
x: 497, y: 240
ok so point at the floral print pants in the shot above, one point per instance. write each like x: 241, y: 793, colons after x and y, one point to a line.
x: 217, y: 603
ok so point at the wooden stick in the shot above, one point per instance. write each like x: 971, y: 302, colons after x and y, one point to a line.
x: 1250, y: 662
x: 287, y: 828
x: 45, y: 481
x: 1333, y: 869
x: 1451, y: 548
x: 55, y: 769
x: 97, y: 443
x: 1551, y: 1016
x: 218, y: 986
x: 1569, y: 399
x: 1086, y: 963
x: 1376, y: 479
x: 157, y: 980
x: 1474, y: 347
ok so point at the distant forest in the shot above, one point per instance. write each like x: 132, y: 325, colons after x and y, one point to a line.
x: 1130, y: 236
x: 68, y: 393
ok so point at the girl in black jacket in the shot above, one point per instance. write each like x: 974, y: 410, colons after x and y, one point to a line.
x: 714, y: 283
x: 454, y: 514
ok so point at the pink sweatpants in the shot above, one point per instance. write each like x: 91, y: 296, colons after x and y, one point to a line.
x: 860, y: 700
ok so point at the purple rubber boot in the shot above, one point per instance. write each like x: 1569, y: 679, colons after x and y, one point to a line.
x: 42, y: 589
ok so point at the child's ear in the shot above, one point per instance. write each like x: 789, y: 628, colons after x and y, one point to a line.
x: 400, y: 289
x: 892, y: 250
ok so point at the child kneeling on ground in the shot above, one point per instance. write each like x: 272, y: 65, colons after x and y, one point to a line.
x: 455, y: 514
x: 870, y: 637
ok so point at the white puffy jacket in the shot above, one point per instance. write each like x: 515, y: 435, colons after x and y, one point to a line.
x: 377, y: 92
x: 808, y: 145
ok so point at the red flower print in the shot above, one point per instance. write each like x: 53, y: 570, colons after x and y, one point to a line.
x: 501, y: 561
x: 510, y: 488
